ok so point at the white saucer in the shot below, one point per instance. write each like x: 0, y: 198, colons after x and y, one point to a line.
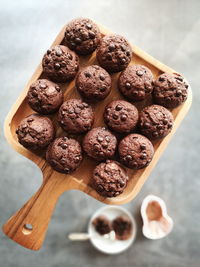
x: 106, y: 245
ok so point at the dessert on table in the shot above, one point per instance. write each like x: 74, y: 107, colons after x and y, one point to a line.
x: 93, y: 83
x: 44, y: 96
x: 60, y: 64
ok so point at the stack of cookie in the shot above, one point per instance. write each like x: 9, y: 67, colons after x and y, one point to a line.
x: 125, y: 139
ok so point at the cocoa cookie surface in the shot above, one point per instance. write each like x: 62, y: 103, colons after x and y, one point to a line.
x: 45, y: 97
x: 82, y: 35
x: 102, y: 225
x: 35, y: 132
x: 100, y: 144
x: 123, y: 227
x: 60, y: 64
x: 155, y: 121
x: 75, y: 116
x: 114, y: 53
x: 170, y: 90
x: 135, y: 151
x: 136, y: 82
x: 93, y: 83
x: 64, y: 154
x: 121, y: 116
x: 109, y: 179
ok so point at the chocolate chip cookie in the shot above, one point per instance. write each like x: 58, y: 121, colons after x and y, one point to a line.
x: 75, y: 116
x: 64, y: 154
x: 82, y: 35
x: 60, y: 64
x: 35, y: 132
x: 155, y: 121
x: 109, y: 179
x: 136, y: 82
x: 102, y: 225
x: 44, y: 96
x: 170, y: 90
x: 135, y: 151
x: 121, y: 116
x: 93, y: 83
x: 100, y: 144
x: 114, y: 53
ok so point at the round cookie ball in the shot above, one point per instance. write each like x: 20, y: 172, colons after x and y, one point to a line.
x: 35, y: 132
x: 60, y: 64
x: 109, y: 179
x: 122, y: 226
x: 135, y: 151
x: 64, y: 154
x: 121, y: 116
x: 75, y: 116
x: 114, y: 53
x: 100, y: 144
x: 82, y: 35
x: 44, y: 96
x: 102, y: 225
x: 136, y: 82
x: 93, y: 83
x: 170, y: 90
x: 155, y: 121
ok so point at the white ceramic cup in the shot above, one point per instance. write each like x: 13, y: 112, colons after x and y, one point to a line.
x: 106, y: 245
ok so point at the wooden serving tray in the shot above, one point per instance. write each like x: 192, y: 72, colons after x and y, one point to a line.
x: 38, y: 210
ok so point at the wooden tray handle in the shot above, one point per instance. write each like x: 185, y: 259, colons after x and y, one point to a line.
x: 28, y: 225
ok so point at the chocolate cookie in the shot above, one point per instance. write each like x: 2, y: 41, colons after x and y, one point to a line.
x: 93, y: 83
x: 155, y: 121
x: 75, y: 116
x: 100, y: 144
x: 170, y: 90
x: 122, y: 226
x: 114, y: 53
x: 35, y: 132
x: 60, y: 64
x: 109, y: 179
x: 64, y: 154
x: 135, y: 151
x: 102, y: 225
x: 44, y: 97
x: 121, y: 116
x: 136, y: 82
x: 82, y: 35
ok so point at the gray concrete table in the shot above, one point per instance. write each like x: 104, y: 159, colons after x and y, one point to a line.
x: 168, y: 30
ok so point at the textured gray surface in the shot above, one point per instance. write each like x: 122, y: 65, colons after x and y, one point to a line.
x: 168, y: 30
